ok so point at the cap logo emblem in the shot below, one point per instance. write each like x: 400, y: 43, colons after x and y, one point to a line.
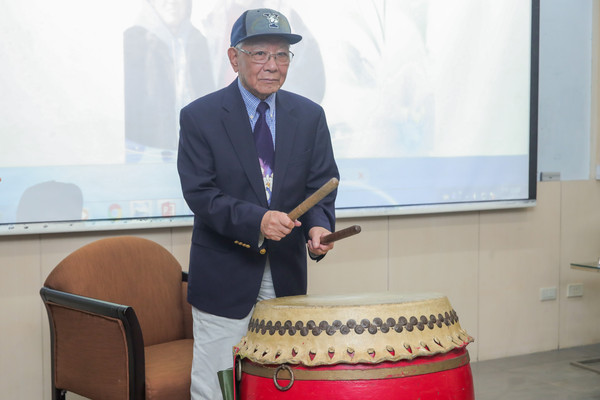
x: 273, y: 20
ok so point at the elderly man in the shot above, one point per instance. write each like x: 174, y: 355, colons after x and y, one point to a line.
x: 248, y: 154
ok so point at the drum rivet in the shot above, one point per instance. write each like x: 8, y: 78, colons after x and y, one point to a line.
x: 351, y: 323
x: 455, y: 315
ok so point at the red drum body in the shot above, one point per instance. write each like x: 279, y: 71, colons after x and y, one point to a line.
x: 400, y: 348
x: 424, y: 378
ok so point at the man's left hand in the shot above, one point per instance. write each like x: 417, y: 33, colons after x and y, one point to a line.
x: 314, y: 243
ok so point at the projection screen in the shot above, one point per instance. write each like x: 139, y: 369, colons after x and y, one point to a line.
x: 431, y: 104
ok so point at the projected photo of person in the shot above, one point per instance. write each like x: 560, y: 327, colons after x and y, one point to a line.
x: 167, y: 65
x: 384, y: 96
x: 50, y: 201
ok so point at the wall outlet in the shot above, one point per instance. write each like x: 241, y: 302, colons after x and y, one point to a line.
x: 548, y: 293
x: 549, y: 176
x: 575, y: 290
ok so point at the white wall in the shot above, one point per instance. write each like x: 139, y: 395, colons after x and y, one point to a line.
x: 491, y: 265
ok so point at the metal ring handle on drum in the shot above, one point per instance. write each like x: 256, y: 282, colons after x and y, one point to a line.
x: 238, y: 369
x: 289, y: 385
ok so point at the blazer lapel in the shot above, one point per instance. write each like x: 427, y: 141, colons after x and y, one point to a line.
x: 237, y: 126
x: 287, y: 125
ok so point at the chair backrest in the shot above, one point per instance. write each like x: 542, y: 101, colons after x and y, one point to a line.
x: 130, y: 271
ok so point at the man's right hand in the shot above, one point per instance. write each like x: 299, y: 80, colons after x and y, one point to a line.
x: 276, y: 225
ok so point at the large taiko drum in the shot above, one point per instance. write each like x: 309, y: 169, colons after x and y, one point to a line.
x: 367, y: 346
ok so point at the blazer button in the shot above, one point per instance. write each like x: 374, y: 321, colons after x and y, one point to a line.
x: 263, y: 251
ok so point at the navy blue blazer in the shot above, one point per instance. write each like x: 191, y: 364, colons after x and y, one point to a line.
x: 223, y: 186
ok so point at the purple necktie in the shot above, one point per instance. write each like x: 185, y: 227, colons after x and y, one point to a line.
x: 264, y: 148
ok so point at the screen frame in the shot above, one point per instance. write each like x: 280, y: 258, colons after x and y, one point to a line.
x: 358, y: 212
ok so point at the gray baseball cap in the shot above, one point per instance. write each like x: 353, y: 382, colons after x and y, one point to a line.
x: 262, y: 22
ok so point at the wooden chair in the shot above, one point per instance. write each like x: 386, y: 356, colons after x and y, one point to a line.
x: 120, y: 325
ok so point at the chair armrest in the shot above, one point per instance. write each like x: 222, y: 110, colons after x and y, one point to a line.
x: 62, y: 306
x: 82, y: 303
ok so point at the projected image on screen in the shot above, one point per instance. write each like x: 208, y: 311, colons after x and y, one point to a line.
x: 428, y: 102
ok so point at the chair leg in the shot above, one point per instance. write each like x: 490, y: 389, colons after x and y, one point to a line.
x: 59, y: 394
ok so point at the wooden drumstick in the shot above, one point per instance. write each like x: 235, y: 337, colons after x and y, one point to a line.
x: 344, y: 233
x: 314, y: 199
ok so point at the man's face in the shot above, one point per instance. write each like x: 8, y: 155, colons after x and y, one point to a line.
x: 260, y: 79
x: 173, y: 12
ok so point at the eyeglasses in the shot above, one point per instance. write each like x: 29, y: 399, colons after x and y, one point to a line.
x: 262, y: 57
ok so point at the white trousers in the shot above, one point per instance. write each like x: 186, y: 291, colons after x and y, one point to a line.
x: 214, y: 338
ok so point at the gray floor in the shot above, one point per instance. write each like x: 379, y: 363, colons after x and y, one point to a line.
x: 546, y: 376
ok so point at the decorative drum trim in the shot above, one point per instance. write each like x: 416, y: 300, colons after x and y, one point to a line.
x: 265, y: 371
x: 365, y: 325
x: 364, y: 328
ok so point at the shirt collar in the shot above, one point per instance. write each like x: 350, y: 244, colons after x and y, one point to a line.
x: 251, y: 101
